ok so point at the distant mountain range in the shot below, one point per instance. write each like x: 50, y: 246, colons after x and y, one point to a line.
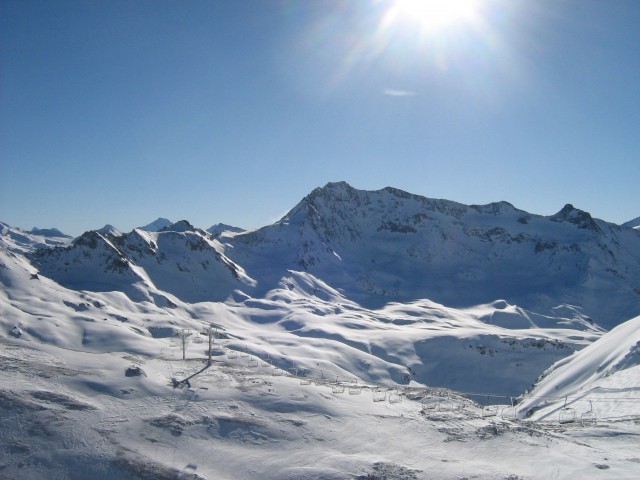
x: 374, y: 247
x: 382, y: 285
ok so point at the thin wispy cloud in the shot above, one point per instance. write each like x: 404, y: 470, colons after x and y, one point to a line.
x: 392, y: 92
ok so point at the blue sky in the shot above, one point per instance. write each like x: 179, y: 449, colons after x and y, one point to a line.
x: 221, y: 111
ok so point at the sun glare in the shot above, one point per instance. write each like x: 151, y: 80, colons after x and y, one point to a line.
x: 434, y: 15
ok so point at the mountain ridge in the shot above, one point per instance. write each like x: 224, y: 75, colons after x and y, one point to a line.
x: 384, y: 246
x: 389, y: 245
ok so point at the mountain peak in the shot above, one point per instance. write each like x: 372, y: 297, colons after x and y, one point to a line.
x: 578, y: 217
x: 180, y: 226
x: 332, y: 189
x: 495, y: 208
x: 110, y: 230
x: 217, y: 229
x: 157, y: 225
x: 48, y: 232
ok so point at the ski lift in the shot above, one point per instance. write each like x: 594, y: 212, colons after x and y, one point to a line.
x: 567, y: 414
x: 305, y: 381
x: 245, y: 353
x: 355, y: 389
x: 429, y: 404
x: 588, y: 419
x: 379, y: 395
x: 321, y: 380
x: 266, y: 362
x: 232, y: 354
x: 509, y: 413
x: 449, y: 405
x: 198, y: 340
x: 252, y: 363
x: 395, y: 397
x: 276, y: 372
x: 337, y: 388
x: 489, y: 411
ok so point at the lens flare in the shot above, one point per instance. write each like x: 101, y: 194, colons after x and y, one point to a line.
x: 434, y: 15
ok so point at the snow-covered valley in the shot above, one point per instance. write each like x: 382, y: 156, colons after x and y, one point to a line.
x: 365, y: 335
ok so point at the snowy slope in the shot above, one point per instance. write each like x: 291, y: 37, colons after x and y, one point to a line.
x: 493, y: 348
x: 307, y: 380
x: 70, y: 412
x: 603, y: 377
x: 73, y: 415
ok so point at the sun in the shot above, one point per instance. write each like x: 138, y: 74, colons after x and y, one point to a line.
x: 433, y: 15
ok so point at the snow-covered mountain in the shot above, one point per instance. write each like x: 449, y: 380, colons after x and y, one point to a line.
x: 635, y: 223
x: 88, y: 387
x: 17, y: 240
x: 48, y: 232
x: 376, y: 247
x: 388, y: 245
x: 488, y: 282
x: 220, y: 228
x: 179, y: 260
x: 362, y: 327
x: 156, y: 225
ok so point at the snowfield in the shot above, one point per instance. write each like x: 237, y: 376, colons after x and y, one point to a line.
x: 361, y: 337
x: 69, y: 414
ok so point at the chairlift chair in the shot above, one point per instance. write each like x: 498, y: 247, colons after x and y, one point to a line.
x: 267, y: 361
x: 379, y: 395
x: 355, y: 390
x: 567, y: 414
x: 337, y: 388
x: 429, y: 404
x: 489, y: 411
x: 395, y: 397
x: 589, y: 419
x: 449, y: 404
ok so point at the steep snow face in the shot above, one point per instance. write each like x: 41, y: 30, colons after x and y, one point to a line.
x: 184, y: 262
x: 605, y: 377
x: 93, y: 262
x: 389, y: 245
